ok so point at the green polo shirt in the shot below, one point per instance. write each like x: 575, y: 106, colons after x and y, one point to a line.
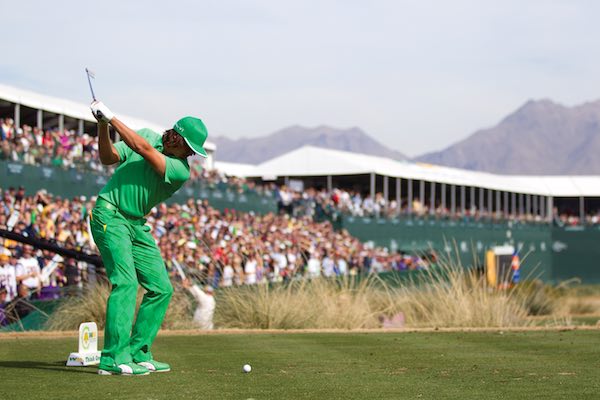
x: 135, y: 187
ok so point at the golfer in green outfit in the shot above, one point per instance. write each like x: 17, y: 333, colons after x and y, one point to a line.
x: 152, y: 168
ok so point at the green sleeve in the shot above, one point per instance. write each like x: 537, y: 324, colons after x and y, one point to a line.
x: 176, y: 171
x: 123, y: 150
x: 148, y: 134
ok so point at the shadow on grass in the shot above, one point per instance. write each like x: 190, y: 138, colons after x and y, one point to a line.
x: 46, y: 366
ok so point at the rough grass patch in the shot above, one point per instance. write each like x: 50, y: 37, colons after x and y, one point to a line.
x: 91, y: 306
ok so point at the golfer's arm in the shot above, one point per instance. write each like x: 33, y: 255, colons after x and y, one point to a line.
x: 107, y: 151
x: 138, y: 144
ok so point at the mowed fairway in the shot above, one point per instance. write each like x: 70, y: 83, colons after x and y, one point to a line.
x: 493, y: 365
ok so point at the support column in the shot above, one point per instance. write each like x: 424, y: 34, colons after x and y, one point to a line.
x: 550, y: 206
x: 581, y: 210
x: 542, y: 208
x: 481, y: 195
x: 61, y: 123
x: 473, y: 199
x: 513, y: 206
x: 453, y: 198
x: 329, y: 184
x: 410, y: 195
x: 505, y: 204
x: 521, y: 204
x: 528, y: 204
x: 386, y: 191
x: 463, y: 199
x: 17, y: 116
x: 40, y: 119
x: 80, y: 127
x: 422, y: 193
x: 443, y: 199
x: 498, y: 207
x: 399, y: 195
x: 432, y: 198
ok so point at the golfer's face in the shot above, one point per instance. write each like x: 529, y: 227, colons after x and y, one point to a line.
x: 182, y: 151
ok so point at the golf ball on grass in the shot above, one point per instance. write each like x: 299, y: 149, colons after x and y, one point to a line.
x: 247, y: 368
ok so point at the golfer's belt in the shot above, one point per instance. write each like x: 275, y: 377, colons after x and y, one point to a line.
x: 101, y: 203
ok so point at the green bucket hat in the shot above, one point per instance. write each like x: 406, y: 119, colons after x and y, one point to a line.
x: 194, y: 133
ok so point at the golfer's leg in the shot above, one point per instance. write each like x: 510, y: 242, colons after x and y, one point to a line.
x: 113, y: 238
x: 152, y: 275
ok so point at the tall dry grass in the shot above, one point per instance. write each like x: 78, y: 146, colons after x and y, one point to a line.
x: 92, y: 307
x: 318, y: 303
x: 455, y: 297
x: 446, y: 296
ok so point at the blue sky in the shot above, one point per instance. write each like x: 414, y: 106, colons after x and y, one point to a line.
x: 416, y: 75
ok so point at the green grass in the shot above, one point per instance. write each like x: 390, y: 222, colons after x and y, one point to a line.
x: 512, y: 365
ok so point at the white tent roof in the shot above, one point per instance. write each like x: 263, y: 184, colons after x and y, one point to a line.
x: 71, y: 108
x: 315, y: 161
x: 236, y: 169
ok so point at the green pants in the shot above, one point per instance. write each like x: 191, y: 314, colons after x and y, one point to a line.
x: 130, y: 256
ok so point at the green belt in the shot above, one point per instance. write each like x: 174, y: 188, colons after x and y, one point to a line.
x: 101, y: 203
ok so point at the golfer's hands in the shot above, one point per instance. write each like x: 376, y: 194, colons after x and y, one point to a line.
x: 101, y: 112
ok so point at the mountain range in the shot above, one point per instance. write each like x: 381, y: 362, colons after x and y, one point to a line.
x: 539, y: 138
x: 260, y: 149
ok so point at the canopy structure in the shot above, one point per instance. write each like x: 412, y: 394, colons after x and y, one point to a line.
x: 72, y: 109
x: 236, y: 169
x: 315, y: 161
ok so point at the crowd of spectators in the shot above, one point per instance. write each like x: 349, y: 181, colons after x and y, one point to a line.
x: 320, y: 203
x: 35, y: 146
x: 232, y: 247
x: 67, y: 149
x: 219, y: 248
x: 29, y: 273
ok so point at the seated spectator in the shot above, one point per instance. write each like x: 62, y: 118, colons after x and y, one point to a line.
x: 3, y: 304
x: 20, y: 306
x: 8, y: 277
x: 28, y: 270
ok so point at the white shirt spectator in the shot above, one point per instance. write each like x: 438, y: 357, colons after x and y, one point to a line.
x: 291, y: 259
x: 376, y: 266
x: 328, y: 267
x: 280, y: 262
x: 313, y: 268
x: 26, y: 266
x: 228, y: 273
x: 368, y: 205
x: 250, y: 272
x: 342, y: 266
x: 8, y: 279
x: 286, y: 197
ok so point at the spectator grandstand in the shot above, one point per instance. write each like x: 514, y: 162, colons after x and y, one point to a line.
x: 301, y: 236
x: 66, y: 149
x: 219, y: 248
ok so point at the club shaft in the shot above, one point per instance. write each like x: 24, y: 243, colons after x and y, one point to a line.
x: 90, y: 83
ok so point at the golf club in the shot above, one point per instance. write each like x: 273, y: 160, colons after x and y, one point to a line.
x: 91, y: 75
